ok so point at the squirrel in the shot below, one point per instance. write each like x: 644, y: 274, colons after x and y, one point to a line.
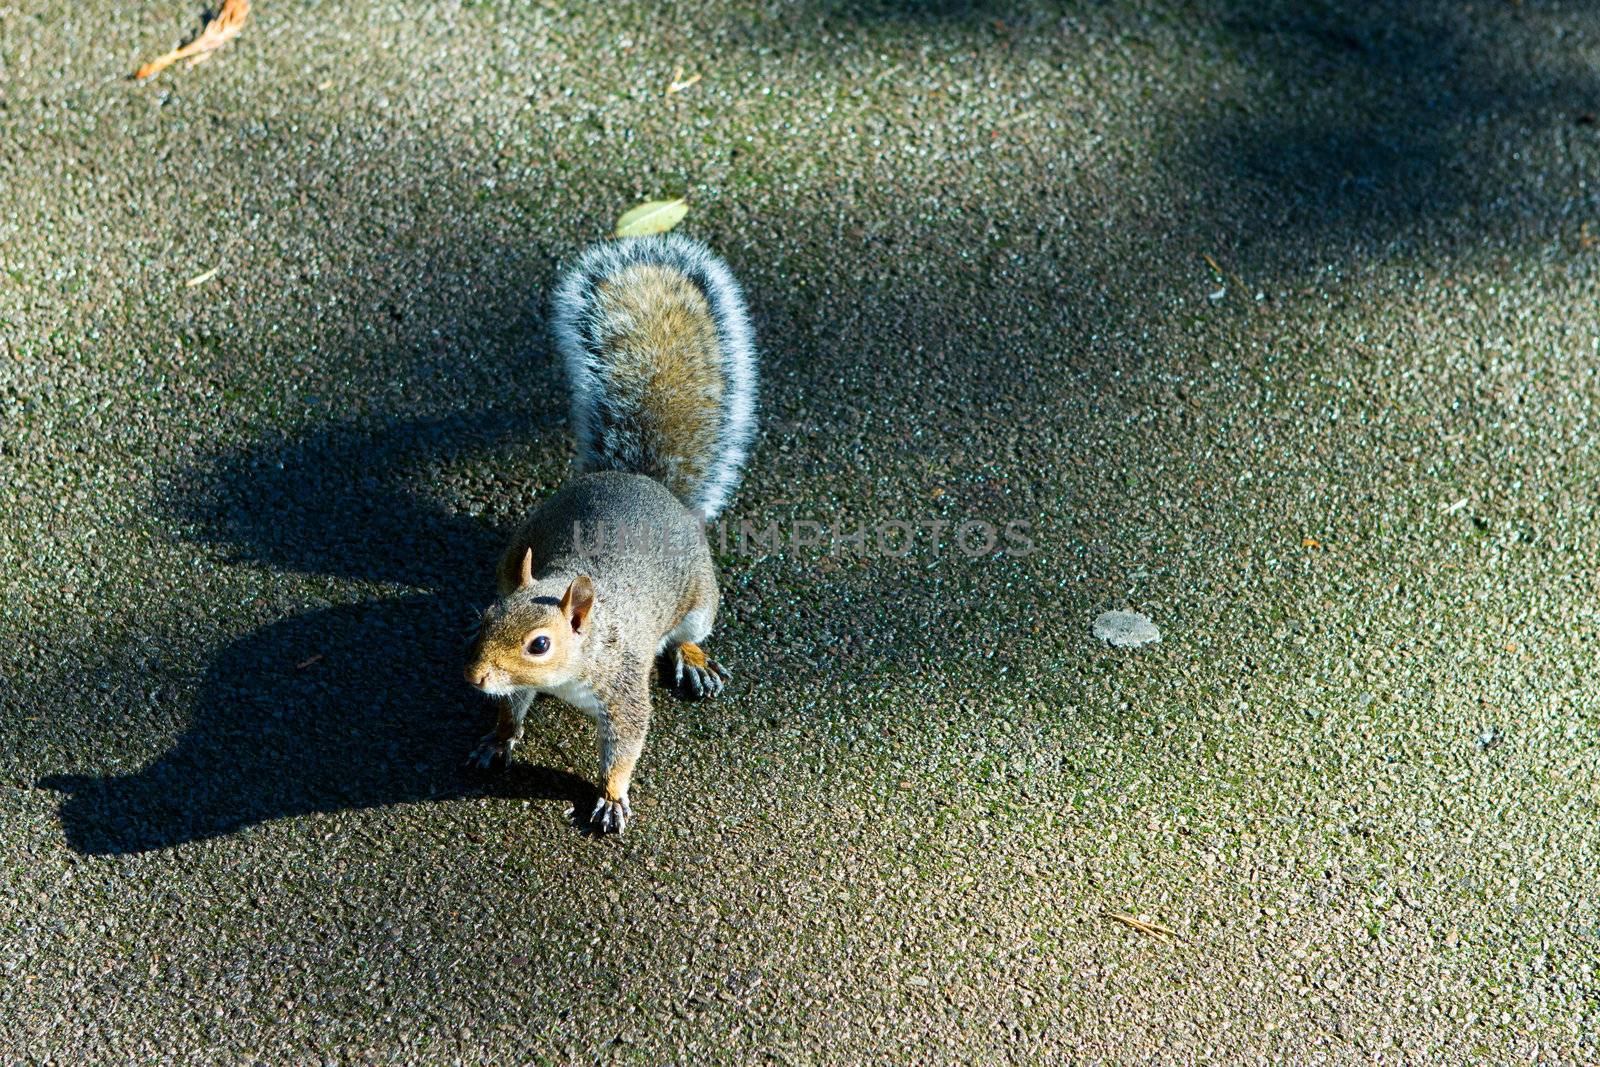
x: 613, y: 574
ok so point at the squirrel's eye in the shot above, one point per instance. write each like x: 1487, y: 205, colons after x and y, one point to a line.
x: 539, y: 645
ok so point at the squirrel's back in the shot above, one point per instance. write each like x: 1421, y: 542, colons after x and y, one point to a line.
x: 657, y: 345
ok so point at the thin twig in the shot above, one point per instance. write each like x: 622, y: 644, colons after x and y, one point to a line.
x: 1224, y: 276
x: 1148, y: 928
x: 680, y: 83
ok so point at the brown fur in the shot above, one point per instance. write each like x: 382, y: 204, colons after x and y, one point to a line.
x: 663, y: 365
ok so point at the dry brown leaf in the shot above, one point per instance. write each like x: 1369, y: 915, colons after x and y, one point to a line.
x: 218, y: 32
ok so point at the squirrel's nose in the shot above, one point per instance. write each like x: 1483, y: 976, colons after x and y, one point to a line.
x: 478, y: 676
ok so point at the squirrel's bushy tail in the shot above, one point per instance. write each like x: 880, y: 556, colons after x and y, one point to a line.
x: 658, y: 350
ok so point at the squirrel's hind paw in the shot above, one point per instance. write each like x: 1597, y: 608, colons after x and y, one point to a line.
x: 694, y: 675
x: 701, y: 683
x: 611, y: 816
x: 492, y: 753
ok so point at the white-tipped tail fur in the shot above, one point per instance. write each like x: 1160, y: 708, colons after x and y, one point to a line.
x: 658, y: 350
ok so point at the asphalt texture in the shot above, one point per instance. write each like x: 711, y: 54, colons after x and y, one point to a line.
x: 1275, y: 322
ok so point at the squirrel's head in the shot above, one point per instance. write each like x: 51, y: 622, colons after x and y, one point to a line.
x: 531, y: 638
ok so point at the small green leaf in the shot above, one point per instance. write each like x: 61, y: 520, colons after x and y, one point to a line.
x: 657, y: 216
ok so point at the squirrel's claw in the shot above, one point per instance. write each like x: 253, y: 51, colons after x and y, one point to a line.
x: 697, y: 683
x: 712, y: 678
x: 492, y: 753
x: 611, y: 816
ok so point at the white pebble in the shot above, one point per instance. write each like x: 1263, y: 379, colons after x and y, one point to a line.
x: 1126, y: 629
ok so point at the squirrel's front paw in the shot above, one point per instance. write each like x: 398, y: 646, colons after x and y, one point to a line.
x: 611, y: 816
x: 694, y: 675
x: 492, y: 753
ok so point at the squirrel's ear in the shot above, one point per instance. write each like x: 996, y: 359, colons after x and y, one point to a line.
x: 577, y: 600
x: 527, y: 568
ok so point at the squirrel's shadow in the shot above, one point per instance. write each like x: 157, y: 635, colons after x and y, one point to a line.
x: 352, y: 706
x: 350, y: 501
